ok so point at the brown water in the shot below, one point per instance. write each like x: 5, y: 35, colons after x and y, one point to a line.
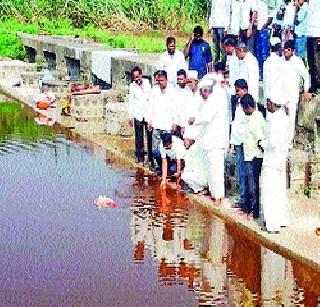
x: 155, y: 249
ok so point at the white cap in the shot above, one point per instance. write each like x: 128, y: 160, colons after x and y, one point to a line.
x: 205, y: 83
x: 213, y: 77
x: 192, y: 74
x: 276, y: 97
x: 274, y: 41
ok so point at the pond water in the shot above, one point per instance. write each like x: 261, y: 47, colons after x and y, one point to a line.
x: 154, y: 249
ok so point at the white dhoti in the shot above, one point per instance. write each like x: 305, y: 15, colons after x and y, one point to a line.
x: 195, y: 180
x: 274, y: 198
x: 194, y: 173
x: 215, y: 171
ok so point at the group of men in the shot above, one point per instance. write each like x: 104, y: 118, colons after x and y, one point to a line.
x: 256, y: 21
x: 197, y: 111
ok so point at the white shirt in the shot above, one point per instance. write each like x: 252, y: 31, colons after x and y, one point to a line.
x: 138, y: 99
x: 248, y: 70
x: 182, y: 104
x: 220, y: 14
x: 238, y: 126
x: 191, y: 111
x: 289, y: 15
x: 235, y: 17
x: 254, y: 130
x: 246, y: 7
x: 301, y: 28
x: 172, y: 63
x: 292, y: 71
x: 161, y: 111
x: 177, y: 151
x: 213, y: 119
x: 272, y: 73
x: 313, y: 23
x: 263, y: 13
x: 275, y: 144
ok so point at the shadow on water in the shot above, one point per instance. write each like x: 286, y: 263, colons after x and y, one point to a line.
x: 155, y: 249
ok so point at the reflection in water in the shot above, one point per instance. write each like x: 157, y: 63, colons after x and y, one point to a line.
x: 278, y: 283
x: 58, y: 249
x: 15, y: 124
x: 221, y: 265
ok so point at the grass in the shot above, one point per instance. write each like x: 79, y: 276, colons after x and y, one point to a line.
x: 147, y: 42
x: 8, y: 107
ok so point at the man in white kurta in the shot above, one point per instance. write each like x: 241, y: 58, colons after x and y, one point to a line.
x: 272, y: 73
x: 293, y: 69
x: 182, y: 101
x: 193, y: 104
x: 172, y: 60
x: 246, y: 67
x: 212, y: 119
x: 275, y: 146
x: 235, y: 18
x: 288, y: 20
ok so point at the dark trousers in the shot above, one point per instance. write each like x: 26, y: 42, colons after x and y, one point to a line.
x: 234, y: 100
x: 253, y: 170
x: 217, y: 38
x: 242, y: 177
x: 139, y: 127
x: 313, y: 50
x: 262, y: 48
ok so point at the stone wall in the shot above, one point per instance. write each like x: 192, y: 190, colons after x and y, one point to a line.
x: 117, y: 119
x: 13, y: 69
x: 121, y: 68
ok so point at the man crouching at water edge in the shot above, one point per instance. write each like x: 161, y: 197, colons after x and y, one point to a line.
x: 170, y: 157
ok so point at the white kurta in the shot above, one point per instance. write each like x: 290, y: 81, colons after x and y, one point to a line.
x: 313, y: 22
x: 183, y: 100
x: 220, y: 14
x: 213, y: 119
x: 235, y: 17
x: 161, y: 108
x: 272, y: 74
x: 288, y: 19
x: 247, y: 69
x: 274, y: 193
x: 247, y: 6
x: 192, y: 110
x: 254, y: 130
x: 292, y: 71
x: 171, y: 64
x: 238, y: 126
x: 194, y: 173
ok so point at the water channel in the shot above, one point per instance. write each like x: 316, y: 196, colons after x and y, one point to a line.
x: 154, y: 249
